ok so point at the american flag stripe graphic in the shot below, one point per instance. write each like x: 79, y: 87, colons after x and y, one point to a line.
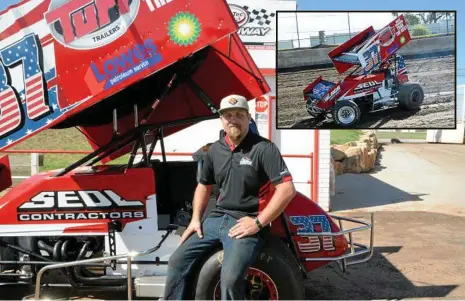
x: 328, y: 243
x: 35, y: 96
x: 10, y: 113
x: 313, y: 244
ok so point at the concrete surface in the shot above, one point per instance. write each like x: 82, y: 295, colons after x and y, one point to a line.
x: 408, y: 177
x: 306, y: 57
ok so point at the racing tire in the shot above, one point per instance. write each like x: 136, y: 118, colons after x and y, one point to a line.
x: 411, y: 96
x: 275, y: 273
x: 346, y: 113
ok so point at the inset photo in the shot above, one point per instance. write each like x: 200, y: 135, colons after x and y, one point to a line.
x: 366, y: 70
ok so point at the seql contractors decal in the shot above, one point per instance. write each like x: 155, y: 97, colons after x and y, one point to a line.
x: 89, y: 24
x: 79, y: 205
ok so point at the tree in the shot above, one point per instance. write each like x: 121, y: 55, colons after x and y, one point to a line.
x: 425, y: 18
x: 411, y: 19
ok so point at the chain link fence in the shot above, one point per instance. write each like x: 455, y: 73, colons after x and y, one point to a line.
x: 315, y: 38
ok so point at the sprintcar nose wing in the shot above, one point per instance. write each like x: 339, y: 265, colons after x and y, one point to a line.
x: 61, y: 59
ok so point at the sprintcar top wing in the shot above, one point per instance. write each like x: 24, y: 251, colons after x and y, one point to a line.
x: 71, y: 63
x: 369, y: 48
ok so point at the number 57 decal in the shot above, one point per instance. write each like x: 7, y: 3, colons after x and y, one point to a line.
x: 25, y: 53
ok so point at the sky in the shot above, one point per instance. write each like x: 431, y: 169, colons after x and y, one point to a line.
x: 370, y: 5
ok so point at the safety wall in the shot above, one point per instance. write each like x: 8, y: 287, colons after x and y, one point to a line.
x: 452, y: 136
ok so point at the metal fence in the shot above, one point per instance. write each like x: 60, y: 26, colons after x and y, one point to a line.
x: 315, y: 38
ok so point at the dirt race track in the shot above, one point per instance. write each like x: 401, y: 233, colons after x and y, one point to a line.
x: 436, y: 75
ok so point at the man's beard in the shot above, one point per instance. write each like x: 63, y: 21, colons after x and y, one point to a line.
x: 234, y: 132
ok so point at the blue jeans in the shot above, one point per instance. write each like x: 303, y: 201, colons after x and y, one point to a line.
x: 239, y: 254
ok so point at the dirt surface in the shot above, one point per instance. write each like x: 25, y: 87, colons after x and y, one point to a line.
x: 436, y: 76
x: 416, y: 193
x: 416, y: 255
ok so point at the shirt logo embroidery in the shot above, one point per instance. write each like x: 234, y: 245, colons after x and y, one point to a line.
x: 245, y: 161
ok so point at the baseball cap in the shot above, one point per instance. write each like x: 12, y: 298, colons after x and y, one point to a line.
x: 233, y: 101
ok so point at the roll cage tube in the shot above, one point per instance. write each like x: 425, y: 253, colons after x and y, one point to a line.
x: 139, y: 134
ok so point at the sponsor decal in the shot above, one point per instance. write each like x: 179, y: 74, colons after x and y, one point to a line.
x: 332, y: 93
x: 127, y: 64
x: 240, y: 14
x: 252, y: 21
x: 89, y: 24
x: 89, y: 204
x: 156, y: 4
x: 401, y: 27
x: 184, y: 29
x: 402, y: 40
x: 393, y: 48
x: 313, y: 224
x: 387, y: 36
x: 366, y: 85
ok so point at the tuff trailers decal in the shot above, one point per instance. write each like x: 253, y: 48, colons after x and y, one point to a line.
x: 79, y: 205
x: 88, y: 24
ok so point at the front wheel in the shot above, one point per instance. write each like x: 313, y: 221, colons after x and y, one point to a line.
x: 274, y: 275
x: 346, y: 113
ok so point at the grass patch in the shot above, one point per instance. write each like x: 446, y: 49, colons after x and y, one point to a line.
x: 60, y: 139
x: 344, y: 136
x: 401, y: 135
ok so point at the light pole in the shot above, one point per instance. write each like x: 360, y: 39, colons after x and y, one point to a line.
x: 348, y: 21
x: 297, y: 27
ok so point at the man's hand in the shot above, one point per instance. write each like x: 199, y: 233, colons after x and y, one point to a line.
x: 245, y: 226
x: 194, y: 226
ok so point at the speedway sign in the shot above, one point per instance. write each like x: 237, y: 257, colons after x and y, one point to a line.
x: 257, y: 19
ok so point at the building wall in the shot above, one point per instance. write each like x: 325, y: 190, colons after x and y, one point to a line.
x: 324, y: 169
x: 452, y: 136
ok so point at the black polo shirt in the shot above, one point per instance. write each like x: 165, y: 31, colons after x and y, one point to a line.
x: 245, y: 174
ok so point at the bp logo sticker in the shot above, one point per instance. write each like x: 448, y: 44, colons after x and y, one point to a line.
x: 402, y: 39
x: 184, y: 29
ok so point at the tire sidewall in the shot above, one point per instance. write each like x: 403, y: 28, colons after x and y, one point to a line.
x: 271, y: 261
x: 412, y: 104
x: 407, y: 94
x: 342, y: 104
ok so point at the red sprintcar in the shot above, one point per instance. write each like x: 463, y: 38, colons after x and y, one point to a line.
x: 134, y: 73
x: 378, y: 80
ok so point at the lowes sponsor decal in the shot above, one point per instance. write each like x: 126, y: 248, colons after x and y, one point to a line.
x: 127, y: 64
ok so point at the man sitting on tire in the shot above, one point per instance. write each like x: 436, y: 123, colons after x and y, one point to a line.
x: 245, y: 166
